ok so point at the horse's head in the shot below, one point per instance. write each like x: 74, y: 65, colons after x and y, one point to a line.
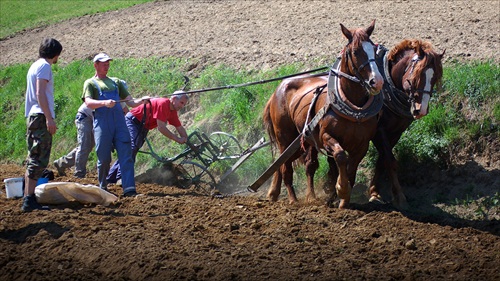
x: 424, y: 70
x: 358, y: 58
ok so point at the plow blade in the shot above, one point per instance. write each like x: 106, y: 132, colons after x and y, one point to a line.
x: 261, y: 143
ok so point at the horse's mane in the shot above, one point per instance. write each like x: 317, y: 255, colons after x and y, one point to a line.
x: 431, y: 57
x: 359, y: 35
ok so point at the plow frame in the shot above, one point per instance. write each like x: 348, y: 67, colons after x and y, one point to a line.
x: 201, y: 151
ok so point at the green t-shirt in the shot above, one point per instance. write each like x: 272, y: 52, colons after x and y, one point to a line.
x: 91, y: 91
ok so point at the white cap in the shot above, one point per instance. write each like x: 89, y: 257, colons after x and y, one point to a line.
x: 178, y: 92
x: 102, y: 57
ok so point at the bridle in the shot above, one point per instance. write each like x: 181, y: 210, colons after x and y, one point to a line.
x: 411, y: 92
x: 357, y: 78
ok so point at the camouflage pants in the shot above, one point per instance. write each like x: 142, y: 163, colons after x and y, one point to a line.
x: 39, y: 145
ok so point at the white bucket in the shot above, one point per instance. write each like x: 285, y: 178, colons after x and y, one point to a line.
x: 14, y: 187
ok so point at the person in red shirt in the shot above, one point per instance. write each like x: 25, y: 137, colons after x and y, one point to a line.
x: 156, y: 113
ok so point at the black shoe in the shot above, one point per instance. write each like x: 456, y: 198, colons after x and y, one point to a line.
x: 30, y: 204
x: 131, y: 193
x: 79, y: 176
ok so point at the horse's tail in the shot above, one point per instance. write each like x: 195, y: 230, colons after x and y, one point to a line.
x: 268, y: 123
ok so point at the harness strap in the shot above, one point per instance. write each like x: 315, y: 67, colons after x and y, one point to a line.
x: 310, y: 126
x: 307, y: 133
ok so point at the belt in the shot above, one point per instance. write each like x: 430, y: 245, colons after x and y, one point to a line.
x: 134, y: 119
x: 83, y: 114
x: 34, y: 115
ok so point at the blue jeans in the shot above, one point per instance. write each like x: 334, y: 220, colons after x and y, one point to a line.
x: 138, y: 136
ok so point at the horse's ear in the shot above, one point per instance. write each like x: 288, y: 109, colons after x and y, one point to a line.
x: 420, y: 51
x: 442, y: 54
x: 370, y: 28
x: 347, y: 33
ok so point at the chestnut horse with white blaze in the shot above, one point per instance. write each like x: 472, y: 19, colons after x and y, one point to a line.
x: 348, y: 104
x: 411, y: 69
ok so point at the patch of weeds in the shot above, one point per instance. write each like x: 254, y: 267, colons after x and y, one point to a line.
x: 486, y: 205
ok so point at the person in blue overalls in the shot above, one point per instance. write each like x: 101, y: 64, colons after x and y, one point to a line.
x: 103, y: 94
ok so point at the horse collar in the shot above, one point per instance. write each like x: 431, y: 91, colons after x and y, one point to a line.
x: 395, y: 99
x: 342, y: 106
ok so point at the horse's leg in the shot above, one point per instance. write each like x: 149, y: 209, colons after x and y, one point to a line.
x: 374, y: 193
x: 381, y: 143
x: 333, y: 174
x: 342, y: 185
x: 387, y: 162
x: 287, y: 172
x: 275, y: 189
x: 398, y: 198
x: 312, y: 165
x: 354, y: 160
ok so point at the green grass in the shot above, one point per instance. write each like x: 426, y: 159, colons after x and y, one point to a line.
x: 17, y: 15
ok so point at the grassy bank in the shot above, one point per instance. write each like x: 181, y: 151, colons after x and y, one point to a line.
x: 464, y: 111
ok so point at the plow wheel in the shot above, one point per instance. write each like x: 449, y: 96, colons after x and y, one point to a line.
x: 227, y: 145
x: 193, y: 174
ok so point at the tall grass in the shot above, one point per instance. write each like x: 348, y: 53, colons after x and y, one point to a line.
x: 17, y: 15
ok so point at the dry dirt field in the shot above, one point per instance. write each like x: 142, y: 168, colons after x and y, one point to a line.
x: 175, y: 234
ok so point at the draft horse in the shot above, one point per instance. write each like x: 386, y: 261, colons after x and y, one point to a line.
x: 411, y: 69
x: 347, y: 98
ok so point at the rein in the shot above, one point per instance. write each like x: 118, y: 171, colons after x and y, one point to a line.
x: 259, y: 82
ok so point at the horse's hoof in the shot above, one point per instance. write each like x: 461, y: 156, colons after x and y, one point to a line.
x: 311, y: 199
x: 377, y: 200
x: 344, y: 205
x: 330, y: 202
x: 272, y: 198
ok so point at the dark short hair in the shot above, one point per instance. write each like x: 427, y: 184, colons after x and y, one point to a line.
x: 50, y: 48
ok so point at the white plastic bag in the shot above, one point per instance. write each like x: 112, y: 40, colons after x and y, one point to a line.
x: 64, y: 192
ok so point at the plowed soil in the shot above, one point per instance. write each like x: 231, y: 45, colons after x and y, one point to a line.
x: 170, y: 233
